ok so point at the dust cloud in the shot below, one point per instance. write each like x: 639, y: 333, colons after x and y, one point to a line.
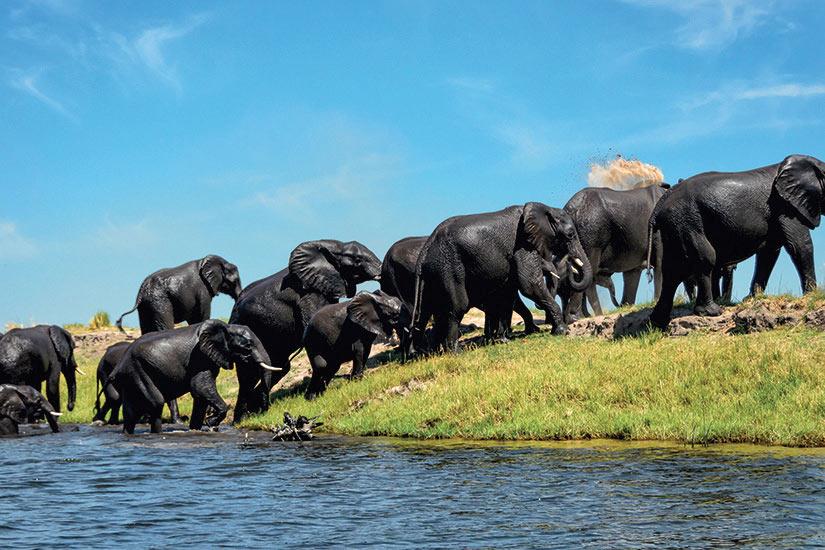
x: 622, y: 174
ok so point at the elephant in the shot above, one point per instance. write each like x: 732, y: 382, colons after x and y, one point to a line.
x: 721, y: 285
x: 612, y: 228
x: 21, y: 405
x: 278, y: 309
x: 107, y: 364
x: 161, y: 366
x: 183, y: 293
x: 717, y: 219
x: 485, y: 259
x: 398, y: 279
x: 345, y: 332
x: 29, y: 356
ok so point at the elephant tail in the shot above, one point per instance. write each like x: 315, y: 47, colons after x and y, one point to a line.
x: 119, y: 322
x: 651, y: 227
x: 612, y: 290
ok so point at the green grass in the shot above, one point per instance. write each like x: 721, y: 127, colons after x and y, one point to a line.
x: 766, y: 388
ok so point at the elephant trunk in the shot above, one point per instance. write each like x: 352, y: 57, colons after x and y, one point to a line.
x: 71, y: 383
x: 579, y: 270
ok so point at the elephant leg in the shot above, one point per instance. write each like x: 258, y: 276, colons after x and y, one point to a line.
x: 800, y: 248
x: 199, y: 406
x: 361, y: 353
x: 155, y: 420
x: 114, y: 418
x: 765, y: 262
x: 130, y: 417
x: 203, y: 387
x: 156, y: 316
x: 656, y: 256
x: 449, y: 330
x: 8, y: 426
x: 524, y: 312
x: 532, y: 285
x: 573, y: 310
x: 174, y: 416
x: 727, y: 285
x: 671, y: 279
x: 319, y: 380
x: 631, y: 286
x: 592, y: 296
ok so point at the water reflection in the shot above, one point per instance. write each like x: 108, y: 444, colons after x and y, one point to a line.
x: 98, y: 488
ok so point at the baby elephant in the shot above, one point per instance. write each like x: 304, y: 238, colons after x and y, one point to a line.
x: 345, y: 332
x: 23, y: 405
x: 112, y: 401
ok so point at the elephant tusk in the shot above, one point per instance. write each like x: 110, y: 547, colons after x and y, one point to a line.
x: 53, y: 413
x: 554, y: 274
x: 578, y: 262
x: 269, y: 367
x: 574, y: 270
x: 80, y: 372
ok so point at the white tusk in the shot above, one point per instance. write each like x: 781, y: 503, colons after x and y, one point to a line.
x: 574, y: 270
x: 55, y: 413
x: 554, y: 274
x: 269, y: 367
x: 80, y: 372
x: 578, y: 262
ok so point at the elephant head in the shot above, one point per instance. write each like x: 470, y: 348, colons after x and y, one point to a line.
x: 24, y: 404
x: 333, y: 268
x: 552, y: 233
x: 226, y: 344
x: 220, y: 276
x: 375, y: 312
x: 64, y: 348
x: 799, y: 182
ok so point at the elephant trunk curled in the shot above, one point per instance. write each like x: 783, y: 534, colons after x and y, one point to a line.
x: 580, y: 272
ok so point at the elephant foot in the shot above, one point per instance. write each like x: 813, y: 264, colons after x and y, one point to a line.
x: 708, y: 310
x: 560, y: 330
x: 531, y: 329
x: 659, y: 322
x: 97, y: 422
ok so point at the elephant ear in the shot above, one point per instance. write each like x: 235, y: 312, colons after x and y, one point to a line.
x: 363, y: 311
x: 799, y: 182
x: 213, y: 340
x: 62, y: 342
x: 12, y: 405
x: 315, y: 265
x: 538, y: 223
x: 211, y: 270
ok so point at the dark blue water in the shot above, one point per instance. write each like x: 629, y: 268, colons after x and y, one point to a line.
x: 97, y: 488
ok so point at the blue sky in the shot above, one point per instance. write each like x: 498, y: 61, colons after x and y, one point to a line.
x: 139, y: 135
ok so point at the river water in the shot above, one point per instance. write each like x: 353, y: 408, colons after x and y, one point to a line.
x: 97, y: 488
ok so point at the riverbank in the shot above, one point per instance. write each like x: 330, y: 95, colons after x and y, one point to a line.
x: 754, y: 375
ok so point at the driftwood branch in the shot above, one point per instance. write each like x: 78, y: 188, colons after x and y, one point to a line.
x: 295, y: 429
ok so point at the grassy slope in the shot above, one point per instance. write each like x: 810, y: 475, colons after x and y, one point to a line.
x: 760, y: 388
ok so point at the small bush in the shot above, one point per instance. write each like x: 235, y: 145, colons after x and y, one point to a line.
x: 100, y: 320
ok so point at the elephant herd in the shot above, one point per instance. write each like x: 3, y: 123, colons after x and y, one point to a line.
x: 693, y: 233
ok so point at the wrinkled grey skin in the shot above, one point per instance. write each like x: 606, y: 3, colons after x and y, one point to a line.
x: 345, y: 332
x: 30, y: 356
x: 484, y: 260
x: 612, y: 227
x: 24, y: 405
x: 717, y: 219
x: 722, y: 285
x: 165, y: 365
x: 113, y: 402
x: 278, y: 308
x: 398, y: 279
x: 183, y: 293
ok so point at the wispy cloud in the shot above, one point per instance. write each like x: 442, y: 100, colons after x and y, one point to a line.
x: 13, y: 245
x: 346, y: 185
x: 149, y: 47
x: 736, y: 92
x: 27, y: 82
x: 712, y: 24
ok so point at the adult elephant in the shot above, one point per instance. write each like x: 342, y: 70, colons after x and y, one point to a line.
x: 612, y: 228
x: 717, y: 219
x: 30, y: 356
x: 183, y: 293
x: 21, y: 405
x: 398, y: 279
x: 161, y: 366
x: 485, y: 259
x: 278, y: 308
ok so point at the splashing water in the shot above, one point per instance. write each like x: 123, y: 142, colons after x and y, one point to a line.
x: 622, y: 174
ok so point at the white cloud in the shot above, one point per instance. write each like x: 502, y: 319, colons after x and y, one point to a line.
x: 712, y: 24
x: 27, y: 82
x: 149, y: 46
x: 736, y: 92
x: 13, y: 245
